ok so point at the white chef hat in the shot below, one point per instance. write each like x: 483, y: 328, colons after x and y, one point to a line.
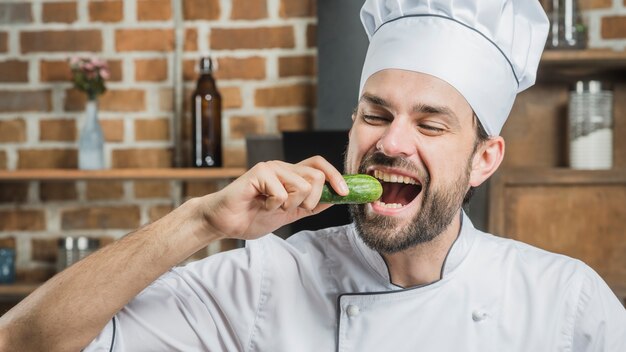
x: 488, y: 50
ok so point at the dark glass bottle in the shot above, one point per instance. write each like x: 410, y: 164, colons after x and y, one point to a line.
x: 206, y: 121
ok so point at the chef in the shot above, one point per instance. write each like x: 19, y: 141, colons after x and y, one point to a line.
x: 410, y: 273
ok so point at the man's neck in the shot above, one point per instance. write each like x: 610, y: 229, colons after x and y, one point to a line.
x: 423, y: 263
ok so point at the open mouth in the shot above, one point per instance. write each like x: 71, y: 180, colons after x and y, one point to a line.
x: 398, y: 190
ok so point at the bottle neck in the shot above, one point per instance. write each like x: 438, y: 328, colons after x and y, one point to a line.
x: 206, y: 82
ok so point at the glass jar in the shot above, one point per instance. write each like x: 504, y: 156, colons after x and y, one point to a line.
x: 591, y: 126
x: 567, y: 30
x: 73, y: 249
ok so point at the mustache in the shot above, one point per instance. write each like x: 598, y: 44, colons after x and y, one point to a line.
x: 380, y: 159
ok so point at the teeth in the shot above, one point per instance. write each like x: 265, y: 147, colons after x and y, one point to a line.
x: 381, y: 175
x: 390, y: 206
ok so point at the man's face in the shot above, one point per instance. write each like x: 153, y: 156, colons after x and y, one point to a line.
x: 416, y: 133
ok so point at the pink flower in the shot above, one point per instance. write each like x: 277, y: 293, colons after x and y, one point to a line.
x: 88, y: 66
x: 104, y: 73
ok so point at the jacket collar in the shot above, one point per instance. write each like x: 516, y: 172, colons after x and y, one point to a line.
x: 457, y: 253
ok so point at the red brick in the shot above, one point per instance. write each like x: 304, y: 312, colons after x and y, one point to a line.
x: 75, y: 100
x: 613, y: 27
x: 298, y: 8
x: 3, y: 159
x: 99, y: 190
x: 55, y: 191
x: 141, y: 158
x: 4, y: 38
x: 294, y: 95
x: 115, y: 70
x: 248, y: 9
x: 106, y: 10
x: 240, y: 68
x: 154, y: 10
x: 16, y: 12
x: 297, y: 66
x: 113, y: 130
x: 12, y: 130
x: 144, y: 40
x: 252, y: 38
x: 54, y: 71
x: 231, y: 99
x: 594, y: 4
x: 234, y: 157
x: 61, y: 41
x: 153, y: 70
x: 47, y: 159
x: 63, y: 12
x: 13, y: 192
x: 13, y: 71
x: 57, y: 130
x: 152, y: 130
x: 100, y: 218
x: 191, y: 40
x: 44, y: 249
x: 34, y: 275
x: 199, y: 188
x: 25, y: 100
x: 152, y: 189
x: 242, y: 126
x: 59, y: 71
x: 166, y: 99
x: 158, y: 211
x: 22, y: 220
x: 201, y: 9
x: 7, y: 242
x: 293, y: 122
x: 190, y: 70
x: 123, y: 100
x: 311, y: 36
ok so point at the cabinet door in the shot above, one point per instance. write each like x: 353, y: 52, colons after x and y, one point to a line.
x: 581, y: 214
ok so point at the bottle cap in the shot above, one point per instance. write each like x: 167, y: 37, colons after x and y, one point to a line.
x: 206, y: 65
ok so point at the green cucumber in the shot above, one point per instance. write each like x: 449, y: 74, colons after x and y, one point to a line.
x: 363, y: 189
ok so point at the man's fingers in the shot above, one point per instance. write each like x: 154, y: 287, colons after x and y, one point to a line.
x: 282, y: 186
x: 333, y: 176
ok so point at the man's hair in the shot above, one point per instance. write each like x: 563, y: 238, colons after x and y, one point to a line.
x: 481, y: 137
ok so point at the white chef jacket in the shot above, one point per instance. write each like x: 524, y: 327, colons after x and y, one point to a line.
x: 327, y: 291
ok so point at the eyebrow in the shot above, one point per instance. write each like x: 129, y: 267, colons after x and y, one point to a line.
x: 419, y: 108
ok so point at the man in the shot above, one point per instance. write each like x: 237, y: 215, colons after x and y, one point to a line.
x: 410, y: 274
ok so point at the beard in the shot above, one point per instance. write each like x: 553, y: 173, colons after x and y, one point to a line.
x: 439, y: 206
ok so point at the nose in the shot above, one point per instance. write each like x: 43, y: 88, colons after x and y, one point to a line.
x: 397, y: 140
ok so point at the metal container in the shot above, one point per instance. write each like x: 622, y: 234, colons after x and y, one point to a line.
x: 566, y: 28
x: 73, y: 249
x: 591, y: 125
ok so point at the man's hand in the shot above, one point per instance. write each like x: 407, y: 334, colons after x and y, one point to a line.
x: 270, y: 195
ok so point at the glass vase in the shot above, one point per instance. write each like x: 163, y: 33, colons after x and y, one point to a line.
x: 91, y: 141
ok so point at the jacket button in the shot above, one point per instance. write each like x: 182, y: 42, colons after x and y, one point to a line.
x: 352, y: 310
x: 479, y: 315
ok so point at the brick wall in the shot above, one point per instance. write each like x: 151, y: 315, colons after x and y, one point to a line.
x: 266, y: 53
x: 266, y: 58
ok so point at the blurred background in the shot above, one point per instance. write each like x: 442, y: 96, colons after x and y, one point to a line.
x: 288, y: 74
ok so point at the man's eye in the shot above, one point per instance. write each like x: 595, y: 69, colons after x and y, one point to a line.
x: 431, y: 130
x: 376, y: 120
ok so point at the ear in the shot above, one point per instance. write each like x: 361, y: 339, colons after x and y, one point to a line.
x: 486, y: 160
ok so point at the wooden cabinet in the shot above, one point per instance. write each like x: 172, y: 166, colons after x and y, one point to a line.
x: 536, y: 198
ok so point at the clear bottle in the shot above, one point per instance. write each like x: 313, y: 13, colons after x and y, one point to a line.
x: 206, y: 121
x: 91, y: 141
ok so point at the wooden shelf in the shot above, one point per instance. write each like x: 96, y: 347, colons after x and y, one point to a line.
x: 17, y: 291
x: 559, y: 176
x: 121, y: 174
x: 597, y: 57
x: 568, y: 66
